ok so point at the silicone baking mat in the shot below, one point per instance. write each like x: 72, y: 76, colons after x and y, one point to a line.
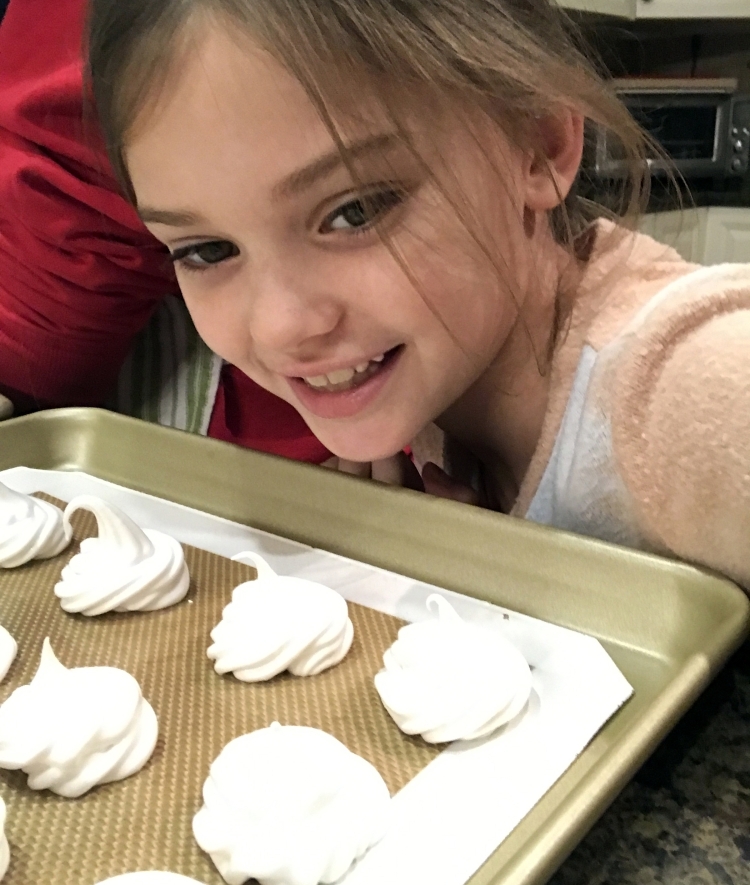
x: 144, y: 822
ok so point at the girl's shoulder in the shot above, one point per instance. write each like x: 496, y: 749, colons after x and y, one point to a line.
x: 646, y: 437
x: 699, y: 320
x: 680, y: 416
x: 625, y: 272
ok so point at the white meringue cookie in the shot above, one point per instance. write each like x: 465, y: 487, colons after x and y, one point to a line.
x: 29, y: 529
x: 4, y: 847
x: 278, y: 623
x: 289, y: 804
x: 70, y: 730
x: 449, y: 680
x: 125, y: 568
x: 150, y: 877
x: 8, y: 651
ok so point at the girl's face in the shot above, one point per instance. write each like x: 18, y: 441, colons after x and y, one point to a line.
x: 280, y: 264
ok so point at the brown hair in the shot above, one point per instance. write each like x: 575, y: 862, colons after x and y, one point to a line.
x: 513, y: 61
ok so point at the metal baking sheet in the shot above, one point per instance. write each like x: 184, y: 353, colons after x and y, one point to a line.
x: 452, y: 805
x: 666, y: 625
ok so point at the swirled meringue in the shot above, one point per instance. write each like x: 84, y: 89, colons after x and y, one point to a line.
x: 4, y: 847
x: 289, y: 804
x: 70, y: 730
x: 29, y: 529
x: 8, y: 651
x: 449, y: 680
x: 125, y: 568
x: 150, y: 877
x: 278, y: 623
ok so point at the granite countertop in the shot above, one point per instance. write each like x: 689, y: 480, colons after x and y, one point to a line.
x: 685, y: 818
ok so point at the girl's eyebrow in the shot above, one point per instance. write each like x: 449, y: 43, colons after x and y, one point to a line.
x: 174, y: 218
x: 293, y: 184
x: 325, y: 165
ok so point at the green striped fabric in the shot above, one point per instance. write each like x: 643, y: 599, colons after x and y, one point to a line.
x: 170, y: 376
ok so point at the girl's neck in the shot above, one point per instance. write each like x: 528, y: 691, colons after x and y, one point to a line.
x: 499, y: 418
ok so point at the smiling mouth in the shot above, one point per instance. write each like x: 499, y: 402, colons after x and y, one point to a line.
x: 352, y: 377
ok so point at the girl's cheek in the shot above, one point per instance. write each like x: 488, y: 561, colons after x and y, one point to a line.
x: 219, y: 323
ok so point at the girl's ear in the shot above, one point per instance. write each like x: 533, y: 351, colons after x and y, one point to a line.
x: 551, y: 168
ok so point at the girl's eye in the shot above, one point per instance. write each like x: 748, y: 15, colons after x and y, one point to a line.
x: 203, y: 255
x: 362, y: 213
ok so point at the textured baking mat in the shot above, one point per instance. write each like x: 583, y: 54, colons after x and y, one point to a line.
x: 144, y: 822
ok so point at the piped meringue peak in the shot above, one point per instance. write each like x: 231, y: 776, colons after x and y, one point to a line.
x: 289, y: 804
x: 278, y: 623
x: 29, y: 529
x: 8, y: 651
x: 125, y: 568
x: 450, y: 680
x: 71, y: 729
x: 4, y: 847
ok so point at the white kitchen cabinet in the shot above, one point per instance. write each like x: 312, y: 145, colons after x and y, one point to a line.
x: 707, y: 236
x: 651, y: 9
x: 684, y: 231
x: 727, y: 236
x: 621, y: 8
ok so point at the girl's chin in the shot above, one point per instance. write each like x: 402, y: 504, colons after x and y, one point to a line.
x: 360, y: 448
x: 363, y: 456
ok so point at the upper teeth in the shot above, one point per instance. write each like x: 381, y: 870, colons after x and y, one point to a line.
x: 341, y: 376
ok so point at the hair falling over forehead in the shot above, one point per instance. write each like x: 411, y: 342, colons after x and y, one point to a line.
x: 508, y: 62
x: 513, y: 61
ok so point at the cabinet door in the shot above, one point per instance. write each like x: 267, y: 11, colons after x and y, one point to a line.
x: 692, y: 9
x: 727, y: 236
x: 683, y: 231
x: 620, y: 8
x: 642, y: 9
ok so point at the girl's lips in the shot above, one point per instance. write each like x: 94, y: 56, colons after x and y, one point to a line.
x: 345, y: 403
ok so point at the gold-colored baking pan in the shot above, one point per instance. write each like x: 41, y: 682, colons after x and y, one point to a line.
x: 668, y: 626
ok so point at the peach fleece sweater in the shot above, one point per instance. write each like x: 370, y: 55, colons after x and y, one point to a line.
x: 646, y: 438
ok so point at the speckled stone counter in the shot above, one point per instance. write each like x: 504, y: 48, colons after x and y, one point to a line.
x: 685, y: 819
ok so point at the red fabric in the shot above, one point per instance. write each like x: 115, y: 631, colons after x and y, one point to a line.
x: 79, y: 274
x: 239, y: 402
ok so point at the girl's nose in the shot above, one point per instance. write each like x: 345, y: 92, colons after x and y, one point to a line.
x: 289, y: 316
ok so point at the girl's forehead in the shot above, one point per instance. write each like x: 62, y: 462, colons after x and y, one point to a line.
x: 219, y: 72
x: 233, y: 124
x: 230, y: 84
x: 225, y: 100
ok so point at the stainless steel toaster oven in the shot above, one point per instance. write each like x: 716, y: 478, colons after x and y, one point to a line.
x: 703, y: 127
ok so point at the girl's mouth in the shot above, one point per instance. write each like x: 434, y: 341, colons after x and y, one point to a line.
x: 347, y: 379
x: 344, y: 392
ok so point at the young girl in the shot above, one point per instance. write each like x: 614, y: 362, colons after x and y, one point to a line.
x: 372, y: 208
